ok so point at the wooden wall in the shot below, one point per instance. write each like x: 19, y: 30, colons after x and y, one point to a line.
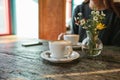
x: 51, y: 18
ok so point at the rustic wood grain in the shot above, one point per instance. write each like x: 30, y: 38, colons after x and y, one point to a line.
x: 51, y: 18
x: 24, y: 63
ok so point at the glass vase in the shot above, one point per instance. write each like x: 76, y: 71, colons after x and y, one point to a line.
x: 91, y: 46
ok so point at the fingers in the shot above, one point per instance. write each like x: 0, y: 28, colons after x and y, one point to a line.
x: 60, y: 37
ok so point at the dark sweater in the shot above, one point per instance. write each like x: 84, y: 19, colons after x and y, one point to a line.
x: 109, y: 36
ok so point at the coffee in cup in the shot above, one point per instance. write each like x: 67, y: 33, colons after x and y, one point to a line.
x: 60, y: 48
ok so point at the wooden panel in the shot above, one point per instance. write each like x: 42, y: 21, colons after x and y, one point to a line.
x: 51, y: 19
x: 116, y: 0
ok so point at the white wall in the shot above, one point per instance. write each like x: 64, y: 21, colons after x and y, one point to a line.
x: 27, y: 18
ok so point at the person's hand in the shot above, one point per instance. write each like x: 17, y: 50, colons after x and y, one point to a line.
x: 60, y: 37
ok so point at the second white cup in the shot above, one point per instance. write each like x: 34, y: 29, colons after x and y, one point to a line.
x: 74, y: 38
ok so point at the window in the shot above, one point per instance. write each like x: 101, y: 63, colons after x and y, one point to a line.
x: 27, y: 18
x: 76, y: 2
x: 5, y: 24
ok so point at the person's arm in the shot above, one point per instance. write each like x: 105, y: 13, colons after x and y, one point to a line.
x: 116, y: 32
x: 75, y: 27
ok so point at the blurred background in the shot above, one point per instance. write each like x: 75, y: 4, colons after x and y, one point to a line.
x: 29, y: 18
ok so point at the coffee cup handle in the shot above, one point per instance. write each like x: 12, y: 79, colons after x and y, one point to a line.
x: 69, y: 50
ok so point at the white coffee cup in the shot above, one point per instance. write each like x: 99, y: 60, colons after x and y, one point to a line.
x: 60, y: 48
x: 74, y: 38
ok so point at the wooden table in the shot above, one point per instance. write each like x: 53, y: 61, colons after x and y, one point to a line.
x: 25, y: 63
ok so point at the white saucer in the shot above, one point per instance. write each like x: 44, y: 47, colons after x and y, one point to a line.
x: 72, y: 57
x: 79, y: 45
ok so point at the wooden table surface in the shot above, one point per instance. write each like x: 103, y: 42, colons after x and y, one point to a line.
x: 25, y: 63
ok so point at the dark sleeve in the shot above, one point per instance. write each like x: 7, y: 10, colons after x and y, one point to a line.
x: 75, y: 27
x: 116, y: 38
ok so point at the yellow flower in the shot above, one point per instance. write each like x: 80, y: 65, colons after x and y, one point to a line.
x: 100, y: 26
